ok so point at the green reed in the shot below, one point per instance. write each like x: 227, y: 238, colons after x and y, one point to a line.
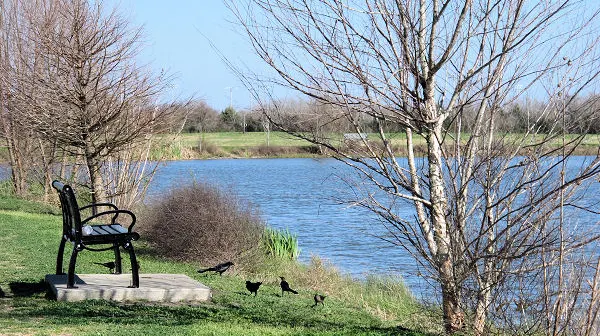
x: 281, y: 243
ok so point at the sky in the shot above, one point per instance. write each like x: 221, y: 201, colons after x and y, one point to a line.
x: 178, y: 36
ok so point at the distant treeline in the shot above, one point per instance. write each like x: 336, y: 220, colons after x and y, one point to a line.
x: 582, y: 116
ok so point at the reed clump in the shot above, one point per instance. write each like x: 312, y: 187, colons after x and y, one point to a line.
x: 281, y: 243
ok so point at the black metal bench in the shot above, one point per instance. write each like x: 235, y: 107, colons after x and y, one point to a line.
x: 82, y: 234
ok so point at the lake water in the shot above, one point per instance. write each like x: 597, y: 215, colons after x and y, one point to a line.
x: 301, y: 195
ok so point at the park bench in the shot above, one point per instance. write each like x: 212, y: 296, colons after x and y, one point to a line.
x: 355, y: 137
x: 83, y: 234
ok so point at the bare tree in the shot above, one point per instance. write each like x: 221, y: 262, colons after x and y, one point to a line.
x: 201, y: 118
x: 90, y: 97
x: 19, y: 140
x: 485, y: 202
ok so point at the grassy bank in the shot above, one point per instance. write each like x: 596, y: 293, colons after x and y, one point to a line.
x: 28, y: 244
x: 254, y: 144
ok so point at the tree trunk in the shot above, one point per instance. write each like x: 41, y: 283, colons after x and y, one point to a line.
x: 483, y: 302
x: 47, y: 160
x: 97, y: 186
x: 453, y: 315
x: 19, y: 175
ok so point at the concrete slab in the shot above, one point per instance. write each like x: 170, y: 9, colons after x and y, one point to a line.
x: 114, y: 287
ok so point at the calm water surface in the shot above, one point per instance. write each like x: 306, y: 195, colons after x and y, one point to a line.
x: 301, y: 195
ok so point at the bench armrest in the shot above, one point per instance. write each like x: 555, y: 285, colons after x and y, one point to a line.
x: 116, y: 213
x: 110, y: 205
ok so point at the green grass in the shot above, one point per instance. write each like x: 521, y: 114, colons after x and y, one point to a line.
x: 281, y: 243
x: 236, y: 140
x: 28, y: 244
x: 254, y: 144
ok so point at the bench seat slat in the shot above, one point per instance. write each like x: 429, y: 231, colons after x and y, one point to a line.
x: 98, y: 230
x: 110, y: 229
x: 119, y: 228
x: 101, y: 230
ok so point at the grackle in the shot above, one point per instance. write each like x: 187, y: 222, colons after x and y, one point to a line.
x: 110, y: 265
x: 220, y: 268
x: 319, y: 299
x: 285, y: 286
x: 253, y: 287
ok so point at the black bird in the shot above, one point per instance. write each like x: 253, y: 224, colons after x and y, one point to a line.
x: 110, y: 265
x: 220, y: 268
x: 319, y: 299
x: 285, y: 286
x: 253, y: 287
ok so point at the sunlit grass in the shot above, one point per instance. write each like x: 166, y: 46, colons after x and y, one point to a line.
x: 28, y: 245
x: 238, y: 144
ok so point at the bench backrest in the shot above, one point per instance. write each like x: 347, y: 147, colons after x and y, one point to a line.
x: 70, y: 211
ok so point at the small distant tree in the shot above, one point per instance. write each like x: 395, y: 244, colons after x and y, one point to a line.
x: 229, y: 117
x: 201, y: 118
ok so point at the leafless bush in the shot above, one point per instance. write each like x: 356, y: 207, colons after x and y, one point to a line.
x: 208, y: 147
x: 203, y: 224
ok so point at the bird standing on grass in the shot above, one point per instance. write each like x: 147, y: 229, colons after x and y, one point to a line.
x: 110, y: 265
x: 319, y: 299
x: 253, y: 287
x: 220, y: 268
x: 285, y: 286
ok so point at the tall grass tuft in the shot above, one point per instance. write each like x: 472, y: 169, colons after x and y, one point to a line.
x: 281, y: 243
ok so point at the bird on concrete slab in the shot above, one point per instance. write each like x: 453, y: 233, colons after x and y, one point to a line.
x: 319, y: 299
x: 220, y: 268
x: 110, y: 265
x: 285, y: 286
x: 253, y: 287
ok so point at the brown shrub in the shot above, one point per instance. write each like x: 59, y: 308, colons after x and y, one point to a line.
x: 202, y: 224
x: 208, y: 148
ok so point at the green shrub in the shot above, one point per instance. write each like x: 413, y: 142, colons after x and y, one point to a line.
x: 200, y: 223
x: 281, y: 244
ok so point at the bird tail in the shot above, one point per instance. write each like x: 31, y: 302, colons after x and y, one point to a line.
x: 204, y: 270
x: 293, y: 291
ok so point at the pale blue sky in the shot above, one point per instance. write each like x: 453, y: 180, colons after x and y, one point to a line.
x: 174, y: 41
x: 177, y: 35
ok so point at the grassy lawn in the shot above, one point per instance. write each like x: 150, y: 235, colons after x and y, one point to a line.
x: 254, y: 144
x: 240, y: 140
x: 28, y: 244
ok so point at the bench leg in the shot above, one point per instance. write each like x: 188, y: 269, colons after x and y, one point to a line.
x: 71, y: 273
x: 59, y: 257
x: 134, y: 266
x: 118, y: 263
